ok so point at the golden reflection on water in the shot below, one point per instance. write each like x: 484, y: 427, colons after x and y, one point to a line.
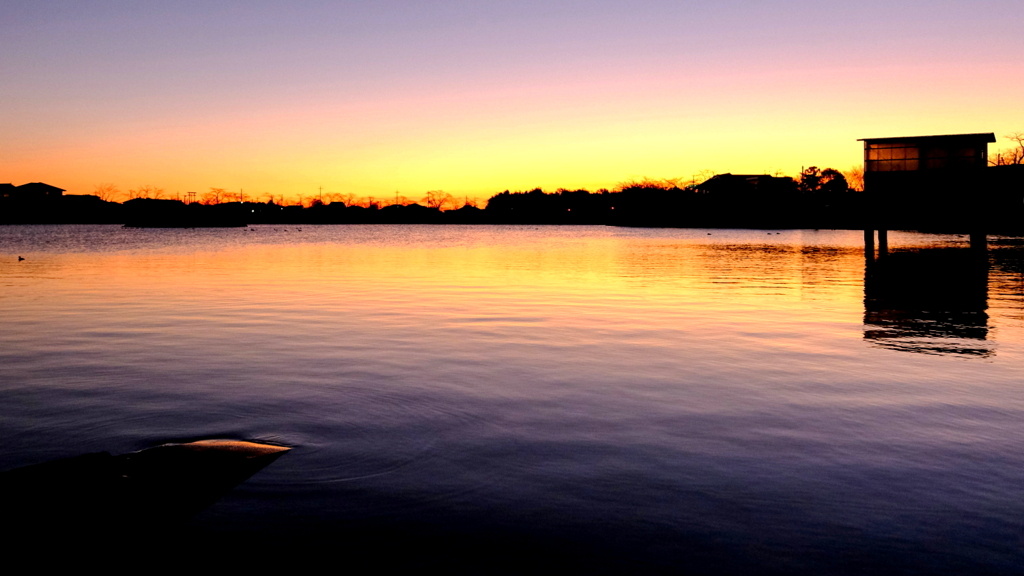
x: 458, y: 280
x: 593, y: 279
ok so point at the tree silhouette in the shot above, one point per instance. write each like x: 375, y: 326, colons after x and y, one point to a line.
x: 147, y: 191
x: 646, y: 183
x: 1012, y: 156
x: 700, y: 178
x: 213, y: 196
x: 855, y: 177
x: 106, y: 192
x: 814, y: 180
x: 398, y: 200
x: 438, y: 199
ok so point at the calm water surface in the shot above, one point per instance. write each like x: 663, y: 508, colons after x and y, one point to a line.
x: 632, y: 399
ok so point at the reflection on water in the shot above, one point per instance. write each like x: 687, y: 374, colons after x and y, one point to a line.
x: 705, y: 401
x: 930, y: 300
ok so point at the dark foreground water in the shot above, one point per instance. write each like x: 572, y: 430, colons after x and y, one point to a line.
x: 506, y: 398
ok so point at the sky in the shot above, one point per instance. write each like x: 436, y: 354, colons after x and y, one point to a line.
x: 374, y: 98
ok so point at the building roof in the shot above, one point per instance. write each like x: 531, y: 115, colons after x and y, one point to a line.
x: 40, y: 186
x: 980, y: 136
x: 729, y: 176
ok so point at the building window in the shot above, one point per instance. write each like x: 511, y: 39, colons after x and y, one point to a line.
x: 892, y: 157
x: 908, y: 157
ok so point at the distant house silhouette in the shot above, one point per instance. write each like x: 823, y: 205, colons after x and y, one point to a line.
x: 42, y: 190
x: 31, y: 192
x: 29, y: 203
x: 746, y: 184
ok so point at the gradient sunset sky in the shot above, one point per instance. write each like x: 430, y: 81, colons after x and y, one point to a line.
x: 477, y: 97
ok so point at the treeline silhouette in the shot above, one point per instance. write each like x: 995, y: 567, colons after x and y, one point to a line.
x: 818, y: 198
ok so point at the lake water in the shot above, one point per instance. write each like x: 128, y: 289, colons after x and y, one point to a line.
x: 614, y: 399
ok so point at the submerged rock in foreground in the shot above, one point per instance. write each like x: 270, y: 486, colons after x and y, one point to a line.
x: 131, y: 494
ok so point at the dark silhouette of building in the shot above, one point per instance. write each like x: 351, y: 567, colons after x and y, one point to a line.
x: 36, y: 192
x: 927, y: 182
x: 39, y: 203
x: 747, y: 184
x: 30, y: 203
x: 33, y: 195
x: 1004, y: 186
x: 924, y: 154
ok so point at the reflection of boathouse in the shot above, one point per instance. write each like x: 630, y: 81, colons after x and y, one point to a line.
x: 932, y: 301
